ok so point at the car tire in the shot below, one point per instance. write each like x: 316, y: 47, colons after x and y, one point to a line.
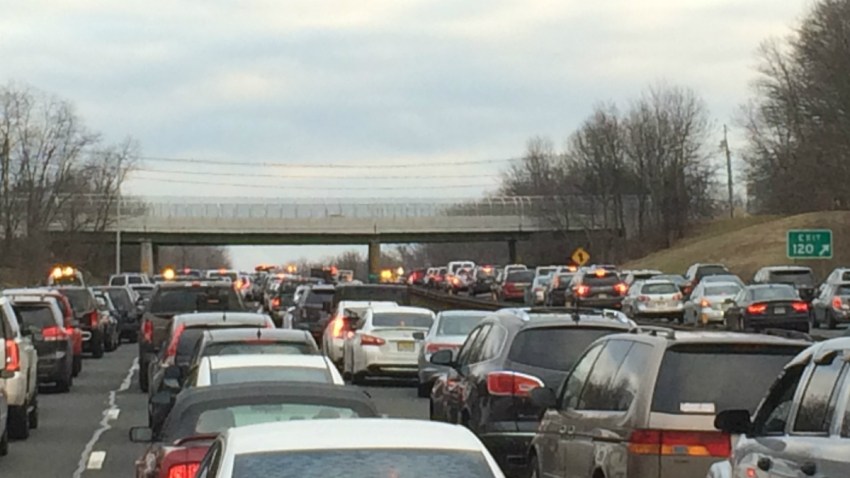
x: 77, y: 366
x: 830, y: 321
x: 19, y: 423
x: 534, y: 467
x: 143, y: 377
x: 64, y: 384
x: 814, y: 320
x: 33, y: 415
x: 97, y: 345
x: 423, y: 390
x: 358, y: 378
x: 4, y: 443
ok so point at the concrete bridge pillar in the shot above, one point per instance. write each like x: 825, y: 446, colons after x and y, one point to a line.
x: 146, y: 266
x: 374, y: 259
x: 513, y: 258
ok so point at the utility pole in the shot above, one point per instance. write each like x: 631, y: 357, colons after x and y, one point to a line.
x: 118, y: 234
x: 725, y: 146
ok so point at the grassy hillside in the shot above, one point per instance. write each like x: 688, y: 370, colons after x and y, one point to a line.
x: 745, y: 244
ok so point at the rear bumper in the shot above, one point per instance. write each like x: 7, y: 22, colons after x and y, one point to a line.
x: 607, y: 303
x: 510, y: 450
x: 53, y: 367
x: 799, y: 323
x: 659, y: 313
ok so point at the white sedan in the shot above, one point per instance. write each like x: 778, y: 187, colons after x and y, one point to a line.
x: 227, y: 369
x: 347, y: 312
x: 352, y: 447
x: 383, y: 343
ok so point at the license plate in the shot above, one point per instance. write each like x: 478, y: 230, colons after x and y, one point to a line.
x: 779, y: 310
x: 406, y: 346
x: 603, y: 296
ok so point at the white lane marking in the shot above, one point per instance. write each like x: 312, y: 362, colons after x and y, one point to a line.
x: 113, y: 413
x: 96, y: 460
x: 104, y: 422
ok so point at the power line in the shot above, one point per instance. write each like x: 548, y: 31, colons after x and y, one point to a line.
x: 306, y: 176
x: 314, y: 187
x: 326, y: 165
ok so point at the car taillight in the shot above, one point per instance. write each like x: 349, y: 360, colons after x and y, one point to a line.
x: 94, y: 318
x: 643, y: 298
x: 582, y: 290
x: 511, y: 384
x: 621, y: 288
x: 704, y: 303
x: 171, y: 351
x: 837, y: 303
x: 434, y: 347
x: 680, y: 443
x: 13, y: 356
x: 183, y: 470
x: 338, y: 328
x: 54, y: 334
x: 800, y: 306
x: 371, y: 340
x: 757, y: 309
x: 509, y: 286
x: 677, y: 296
x: 276, y: 303
x: 147, y: 330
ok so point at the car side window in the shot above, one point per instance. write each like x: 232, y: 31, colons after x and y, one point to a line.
x: 845, y: 427
x: 477, y: 347
x: 598, y: 392
x: 817, y: 405
x: 772, y: 417
x: 575, y: 382
x: 626, y: 384
x: 463, y: 354
x: 492, y: 346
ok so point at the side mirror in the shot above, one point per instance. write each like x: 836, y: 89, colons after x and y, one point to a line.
x: 443, y: 357
x: 419, y: 335
x: 141, y: 435
x: 734, y: 422
x: 543, y: 397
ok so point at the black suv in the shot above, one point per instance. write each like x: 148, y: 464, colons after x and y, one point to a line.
x: 87, y: 314
x: 596, y: 288
x: 313, y: 310
x: 506, y: 356
x: 173, y: 298
x: 799, y: 277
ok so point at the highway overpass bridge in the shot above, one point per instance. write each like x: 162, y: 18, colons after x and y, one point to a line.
x: 211, y: 221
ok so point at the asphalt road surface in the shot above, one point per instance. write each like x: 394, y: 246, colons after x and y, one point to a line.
x: 85, y: 433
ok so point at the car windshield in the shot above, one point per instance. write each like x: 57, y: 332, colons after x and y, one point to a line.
x: 709, y: 378
x: 176, y: 300
x: 35, y: 316
x: 400, y: 463
x: 258, y: 347
x: 659, y: 289
x: 224, y: 376
x: 717, y: 290
x: 460, y: 324
x: 555, y: 348
x: 520, y: 276
x: 543, y: 280
x: 795, y: 277
x: 774, y: 293
x: 401, y: 319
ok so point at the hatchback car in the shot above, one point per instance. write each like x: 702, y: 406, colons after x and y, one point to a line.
x: 653, y: 299
x: 449, y: 331
x: 506, y: 356
x: 642, y: 405
x: 513, y: 286
x: 708, y: 302
x: 802, y: 427
x: 596, y: 288
x: 368, y: 447
x: 771, y: 306
x: 832, y: 306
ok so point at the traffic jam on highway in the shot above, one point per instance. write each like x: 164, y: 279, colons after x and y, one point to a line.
x: 548, y: 371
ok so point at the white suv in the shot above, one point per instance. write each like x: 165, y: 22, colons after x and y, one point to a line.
x: 19, y: 376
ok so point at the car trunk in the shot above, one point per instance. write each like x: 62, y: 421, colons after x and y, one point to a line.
x: 48, y: 338
x: 400, y: 343
x: 775, y: 309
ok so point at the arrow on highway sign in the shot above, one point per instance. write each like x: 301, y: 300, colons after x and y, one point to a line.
x: 580, y: 256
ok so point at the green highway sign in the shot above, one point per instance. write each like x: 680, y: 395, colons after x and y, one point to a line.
x: 810, y: 244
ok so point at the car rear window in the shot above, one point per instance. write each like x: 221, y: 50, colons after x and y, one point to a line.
x: 459, y: 324
x: 81, y: 300
x: 406, y: 463
x: 220, y: 419
x: 144, y: 291
x: 709, y: 378
x: 374, y: 293
x: 800, y: 277
x: 135, y: 280
x: 396, y: 319
x: 320, y: 296
x: 121, y: 299
x: 843, y: 290
x: 189, y: 338
x: 722, y: 290
x: 711, y: 271
x: 259, y: 347
x: 774, y: 293
x: 35, y: 316
x: 555, y: 348
x: 178, y: 300
x: 520, y: 276
x: 225, y: 376
x: 609, y: 278
x: 659, y: 289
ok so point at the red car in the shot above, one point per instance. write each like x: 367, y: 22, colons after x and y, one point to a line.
x: 200, y: 414
x: 514, y: 285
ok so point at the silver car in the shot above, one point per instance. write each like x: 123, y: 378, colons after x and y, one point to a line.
x: 449, y: 331
x: 653, y: 299
x: 708, y: 302
x: 19, y: 377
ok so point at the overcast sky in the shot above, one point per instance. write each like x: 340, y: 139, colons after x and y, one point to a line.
x: 413, y: 82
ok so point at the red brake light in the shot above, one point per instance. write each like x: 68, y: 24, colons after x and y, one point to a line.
x: 800, y: 307
x: 704, y: 303
x: 680, y: 443
x: 276, y: 303
x: 54, y: 334
x: 837, y: 303
x: 94, y: 318
x: 371, y: 340
x: 435, y: 347
x: 147, y: 330
x: 621, y: 288
x: 677, y: 296
x: 338, y: 327
x: 183, y: 470
x: 511, y: 384
x: 643, y: 298
x: 582, y: 290
x: 13, y: 356
x: 171, y: 351
x: 757, y: 309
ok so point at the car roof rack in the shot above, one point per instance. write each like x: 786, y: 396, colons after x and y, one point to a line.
x: 789, y: 334
x: 655, y: 331
x: 573, y: 312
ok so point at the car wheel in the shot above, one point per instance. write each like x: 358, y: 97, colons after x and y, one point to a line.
x: 78, y: 365
x: 534, y: 467
x: 97, y: 345
x: 4, y: 443
x: 830, y: 321
x: 19, y: 423
x: 33, y: 415
x: 143, y: 377
x: 358, y: 378
x: 813, y: 320
x: 64, y: 385
x: 423, y: 390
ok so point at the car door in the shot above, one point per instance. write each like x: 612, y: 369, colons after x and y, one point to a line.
x: 480, y: 405
x: 465, y: 380
x: 452, y: 398
x: 553, y: 436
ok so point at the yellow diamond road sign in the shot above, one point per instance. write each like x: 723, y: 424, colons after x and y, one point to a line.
x: 580, y: 256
